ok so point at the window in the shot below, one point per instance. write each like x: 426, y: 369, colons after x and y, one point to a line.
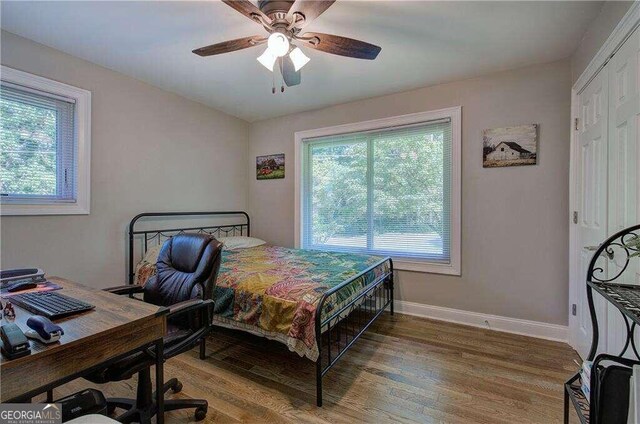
x: 44, y: 146
x: 388, y: 187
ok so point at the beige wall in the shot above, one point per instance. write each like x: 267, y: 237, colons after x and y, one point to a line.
x: 597, y: 34
x: 515, y: 221
x: 151, y: 150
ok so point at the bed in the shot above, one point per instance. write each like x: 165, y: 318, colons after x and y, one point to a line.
x: 276, y: 292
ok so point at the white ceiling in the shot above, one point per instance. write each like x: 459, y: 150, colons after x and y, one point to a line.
x: 423, y: 43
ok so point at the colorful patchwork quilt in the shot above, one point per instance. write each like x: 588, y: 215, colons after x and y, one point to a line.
x: 274, y: 291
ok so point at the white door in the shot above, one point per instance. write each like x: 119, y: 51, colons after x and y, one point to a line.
x: 591, y: 202
x: 624, y: 113
x: 624, y: 106
x: 607, y: 172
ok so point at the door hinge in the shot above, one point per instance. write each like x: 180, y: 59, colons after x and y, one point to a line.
x: 574, y: 310
x: 575, y: 217
x: 576, y: 124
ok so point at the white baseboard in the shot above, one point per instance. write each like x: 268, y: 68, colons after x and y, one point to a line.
x: 524, y: 327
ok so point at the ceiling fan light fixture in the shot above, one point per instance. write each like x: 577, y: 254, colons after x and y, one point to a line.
x: 298, y: 58
x: 278, y: 44
x: 268, y: 59
x: 285, y: 22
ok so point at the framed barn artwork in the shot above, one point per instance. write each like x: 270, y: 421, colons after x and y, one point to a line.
x: 510, y: 146
x: 270, y: 167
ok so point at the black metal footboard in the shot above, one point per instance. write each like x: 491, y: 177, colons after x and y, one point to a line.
x: 338, y: 331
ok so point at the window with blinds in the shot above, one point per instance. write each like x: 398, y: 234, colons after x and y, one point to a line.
x: 385, y: 191
x: 37, y: 145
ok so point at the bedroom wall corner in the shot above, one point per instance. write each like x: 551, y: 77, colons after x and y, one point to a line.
x: 598, y: 32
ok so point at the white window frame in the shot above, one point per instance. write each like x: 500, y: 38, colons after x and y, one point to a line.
x: 82, y: 128
x: 402, y: 263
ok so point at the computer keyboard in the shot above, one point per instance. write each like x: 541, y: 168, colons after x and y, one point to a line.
x: 50, y: 304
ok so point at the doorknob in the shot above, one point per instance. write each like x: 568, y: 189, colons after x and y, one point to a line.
x: 591, y: 248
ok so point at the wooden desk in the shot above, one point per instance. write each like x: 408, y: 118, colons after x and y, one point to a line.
x: 117, y: 326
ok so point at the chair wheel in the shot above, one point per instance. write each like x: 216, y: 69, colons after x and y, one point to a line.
x: 177, y: 388
x: 201, y: 413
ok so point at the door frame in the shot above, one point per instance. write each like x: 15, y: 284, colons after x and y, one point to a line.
x: 627, y: 25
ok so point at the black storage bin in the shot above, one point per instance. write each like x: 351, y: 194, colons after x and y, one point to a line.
x: 88, y: 401
x: 610, y: 390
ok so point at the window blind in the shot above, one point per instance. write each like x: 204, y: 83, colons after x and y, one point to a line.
x: 385, y: 191
x: 37, y: 142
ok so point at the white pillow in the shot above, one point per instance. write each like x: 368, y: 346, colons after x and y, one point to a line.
x: 242, y: 242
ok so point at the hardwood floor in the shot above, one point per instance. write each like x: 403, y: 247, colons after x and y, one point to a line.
x: 404, y: 369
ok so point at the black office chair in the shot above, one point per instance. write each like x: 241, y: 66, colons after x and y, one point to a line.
x: 187, y: 268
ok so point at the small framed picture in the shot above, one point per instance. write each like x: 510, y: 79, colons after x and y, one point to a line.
x: 270, y: 167
x: 510, y: 146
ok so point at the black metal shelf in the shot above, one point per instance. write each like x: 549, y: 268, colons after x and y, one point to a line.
x: 623, y: 296
x: 620, y: 249
x: 579, y: 400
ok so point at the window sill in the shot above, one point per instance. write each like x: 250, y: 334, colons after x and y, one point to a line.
x: 400, y: 263
x: 17, y: 209
x: 404, y: 264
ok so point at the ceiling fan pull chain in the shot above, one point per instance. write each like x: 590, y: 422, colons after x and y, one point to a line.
x: 281, y: 75
x: 273, y: 83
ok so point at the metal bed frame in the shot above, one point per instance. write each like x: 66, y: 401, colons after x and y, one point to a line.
x: 336, y: 333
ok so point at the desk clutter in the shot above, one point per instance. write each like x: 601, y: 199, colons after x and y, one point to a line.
x: 83, y: 406
x: 24, y: 280
x: 30, y: 290
x: 15, y: 343
x: 74, y: 347
x: 117, y: 339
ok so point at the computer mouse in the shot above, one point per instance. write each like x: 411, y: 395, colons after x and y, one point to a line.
x: 43, y: 329
x: 16, y: 287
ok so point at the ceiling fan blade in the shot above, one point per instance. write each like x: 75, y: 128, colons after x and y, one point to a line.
x: 289, y: 74
x: 310, y: 9
x: 248, y: 9
x: 342, y: 46
x: 230, y: 46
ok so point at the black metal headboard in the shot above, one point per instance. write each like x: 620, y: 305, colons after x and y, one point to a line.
x: 157, y: 235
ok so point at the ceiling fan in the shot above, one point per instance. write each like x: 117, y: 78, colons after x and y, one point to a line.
x: 285, y: 20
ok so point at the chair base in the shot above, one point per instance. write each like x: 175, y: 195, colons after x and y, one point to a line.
x: 144, y: 407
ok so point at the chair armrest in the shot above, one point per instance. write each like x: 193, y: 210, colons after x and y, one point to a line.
x: 129, y: 289
x: 204, y: 307
x: 188, y: 306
